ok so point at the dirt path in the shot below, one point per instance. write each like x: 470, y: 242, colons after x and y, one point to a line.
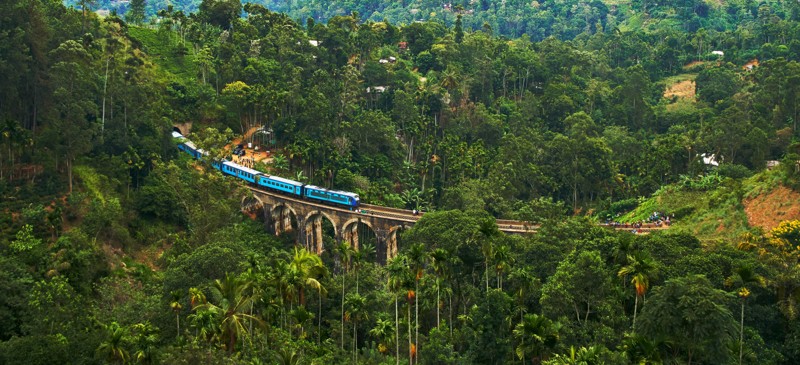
x: 251, y: 154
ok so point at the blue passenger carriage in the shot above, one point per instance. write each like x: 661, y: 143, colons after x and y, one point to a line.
x: 332, y: 196
x: 244, y: 173
x: 281, y: 184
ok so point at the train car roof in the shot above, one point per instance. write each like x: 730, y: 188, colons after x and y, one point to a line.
x: 285, y: 181
x: 242, y: 168
x: 176, y: 135
x: 345, y: 193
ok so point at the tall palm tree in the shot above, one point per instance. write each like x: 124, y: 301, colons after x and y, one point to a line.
x: 641, y: 268
x: 487, y: 249
x: 583, y: 355
x: 396, y: 282
x: 232, y: 309
x: 113, y: 345
x: 145, y: 338
x: 309, y: 268
x: 176, y: 307
x: 384, y: 331
x: 205, y: 324
x: 439, y: 263
x: 356, y: 309
x: 743, y: 277
x: 502, y: 262
x: 536, y: 334
x: 359, y: 257
x: 288, y: 356
x: 196, y: 297
x: 417, y: 257
x: 345, y: 253
x: 282, y: 281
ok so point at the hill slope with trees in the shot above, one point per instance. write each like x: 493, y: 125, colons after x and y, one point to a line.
x: 116, y: 249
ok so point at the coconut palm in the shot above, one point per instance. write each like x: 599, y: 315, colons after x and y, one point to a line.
x: 288, y: 356
x: 417, y: 258
x: 439, y: 263
x: 536, y: 334
x: 176, y: 307
x: 196, y: 297
x: 301, y: 316
x: 205, y: 324
x: 308, y: 268
x: 113, y: 346
x: 396, y: 283
x: 356, y: 310
x: 502, y: 262
x: 145, y: 339
x: 359, y: 257
x: 743, y: 277
x: 384, y: 331
x: 345, y: 253
x: 581, y: 356
x: 641, y: 268
x: 231, y: 309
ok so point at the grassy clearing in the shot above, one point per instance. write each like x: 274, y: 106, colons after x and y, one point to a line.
x: 164, y: 50
x: 723, y: 213
x: 714, y: 215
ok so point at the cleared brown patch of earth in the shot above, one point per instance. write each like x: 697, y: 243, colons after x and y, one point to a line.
x: 768, y: 210
x: 683, y: 89
x: 750, y: 65
x: 693, y: 64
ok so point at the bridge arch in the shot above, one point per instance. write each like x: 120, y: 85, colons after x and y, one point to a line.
x: 323, y: 214
x: 253, y: 200
x: 312, y: 226
x: 253, y: 207
x: 280, y: 218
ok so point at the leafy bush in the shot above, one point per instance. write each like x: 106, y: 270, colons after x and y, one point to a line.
x: 734, y: 171
x: 702, y: 182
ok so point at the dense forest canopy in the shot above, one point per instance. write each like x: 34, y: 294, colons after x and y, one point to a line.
x: 116, y: 249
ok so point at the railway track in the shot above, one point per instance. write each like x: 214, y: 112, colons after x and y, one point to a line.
x: 404, y: 215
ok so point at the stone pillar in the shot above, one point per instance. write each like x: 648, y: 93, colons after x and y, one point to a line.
x: 391, y: 245
x: 318, y: 234
x: 276, y: 218
x: 302, y: 232
x: 286, y: 218
x: 382, y: 248
x: 354, y: 236
x: 269, y: 222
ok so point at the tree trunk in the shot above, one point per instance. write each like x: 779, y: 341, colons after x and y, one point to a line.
x: 416, y: 321
x: 69, y: 173
x: 355, y: 342
x: 342, y: 317
x: 410, y: 346
x: 396, y: 333
x: 105, y: 87
x: 741, y: 334
x: 437, y: 303
x: 635, y: 309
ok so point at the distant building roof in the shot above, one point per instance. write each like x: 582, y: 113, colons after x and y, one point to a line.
x: 314, y: 43
x: 709, y: 159
x: 376, y: 89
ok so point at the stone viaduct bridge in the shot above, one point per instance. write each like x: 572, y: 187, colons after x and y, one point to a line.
x: 278, y: 209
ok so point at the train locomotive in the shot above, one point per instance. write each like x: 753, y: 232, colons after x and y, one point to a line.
x: 254, y: 177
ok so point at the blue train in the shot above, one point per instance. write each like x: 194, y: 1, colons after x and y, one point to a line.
x: 254, y: 177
